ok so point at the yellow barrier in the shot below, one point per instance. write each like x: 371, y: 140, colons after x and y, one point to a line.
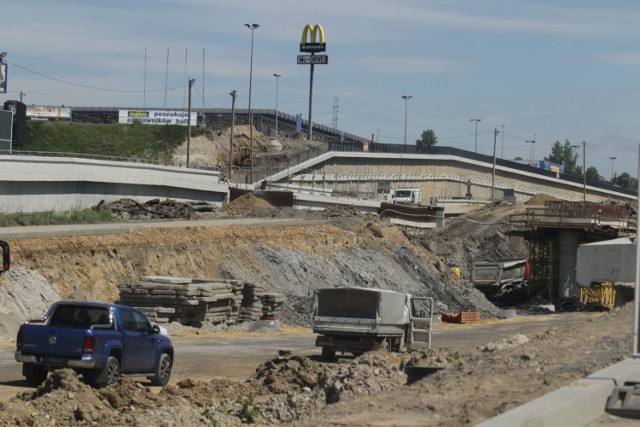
x: 602, y: 293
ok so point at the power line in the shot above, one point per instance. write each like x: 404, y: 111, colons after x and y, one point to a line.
x: 87, y: 86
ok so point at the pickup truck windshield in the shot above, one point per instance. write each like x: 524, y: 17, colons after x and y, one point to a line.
x: 79, y: 316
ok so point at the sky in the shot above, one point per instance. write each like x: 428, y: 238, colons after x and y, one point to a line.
x: 543, y: 71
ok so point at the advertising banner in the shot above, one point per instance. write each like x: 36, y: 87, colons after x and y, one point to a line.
x: 3, y: 77
x: 157, y: 117
x: 48, y: 112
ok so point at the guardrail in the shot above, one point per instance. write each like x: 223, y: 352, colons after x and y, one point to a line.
x: 104, y: 157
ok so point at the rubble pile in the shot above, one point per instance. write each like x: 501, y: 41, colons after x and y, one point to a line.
x: 245, y: 204
x: 196, y: 302
x: 130, y: 209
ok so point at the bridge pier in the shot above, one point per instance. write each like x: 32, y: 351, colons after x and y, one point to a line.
x: 568, y: 241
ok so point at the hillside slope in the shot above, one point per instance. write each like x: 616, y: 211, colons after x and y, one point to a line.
x: 347, y: 249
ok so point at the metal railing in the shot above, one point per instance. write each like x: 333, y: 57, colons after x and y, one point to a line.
x: 106, y: 158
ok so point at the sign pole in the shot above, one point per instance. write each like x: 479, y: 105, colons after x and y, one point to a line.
x: 315, y: 44
x: 311, y: 101
x: 636, y: 311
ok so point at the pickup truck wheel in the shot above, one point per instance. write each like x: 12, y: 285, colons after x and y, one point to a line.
x: 163, y: 371
x: 110, y: 375
x: 35, y: 375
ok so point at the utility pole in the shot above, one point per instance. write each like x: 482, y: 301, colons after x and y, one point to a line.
x: 191, y: 82
x: 24, y: 94
x: 233, y: 123
x: 493, y: 176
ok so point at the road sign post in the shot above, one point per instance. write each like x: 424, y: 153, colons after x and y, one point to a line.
x: 312, y: 42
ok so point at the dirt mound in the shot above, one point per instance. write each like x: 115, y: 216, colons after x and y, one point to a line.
x: 24, y: 294
x: 129, y: 209
x: 541, y: 199
x: 245, y: 204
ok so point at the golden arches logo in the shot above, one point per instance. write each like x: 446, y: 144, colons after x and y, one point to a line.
x: 315, y: 36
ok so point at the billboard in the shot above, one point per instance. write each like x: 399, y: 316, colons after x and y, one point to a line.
x: 3, y: 77
x: 6, y: 130
x: 157, y: 117
x: 48, y: 112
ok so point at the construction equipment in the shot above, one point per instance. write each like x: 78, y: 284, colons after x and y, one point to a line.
x: 407, y: 196
x: 6, y: 256
x: 497, y: 275
x: 356, y: 320
x: 242, y: 157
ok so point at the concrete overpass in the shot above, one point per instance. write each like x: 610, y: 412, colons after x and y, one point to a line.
x: 441, y: 176
x: 33, y: 183
x: 39, y: 184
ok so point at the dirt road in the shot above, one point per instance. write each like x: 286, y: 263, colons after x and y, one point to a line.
x: 235, y: 356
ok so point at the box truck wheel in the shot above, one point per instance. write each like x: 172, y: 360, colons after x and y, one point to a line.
x: 328, y: 354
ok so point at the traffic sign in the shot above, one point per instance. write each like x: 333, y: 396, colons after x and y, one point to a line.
x: 313, y: 59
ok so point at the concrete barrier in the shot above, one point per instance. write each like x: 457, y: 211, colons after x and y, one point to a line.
x: 38, y: 184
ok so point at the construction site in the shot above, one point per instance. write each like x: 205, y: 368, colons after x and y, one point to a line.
x: 204, y: 280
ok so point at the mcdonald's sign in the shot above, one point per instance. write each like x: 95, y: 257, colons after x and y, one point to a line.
x: 312, y: 39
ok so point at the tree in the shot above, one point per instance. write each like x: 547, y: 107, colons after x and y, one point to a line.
x: 625, y: 180
x: 517, y: 158
x: 593, y: 175
x: 567, y: 156
x: 427, y: 139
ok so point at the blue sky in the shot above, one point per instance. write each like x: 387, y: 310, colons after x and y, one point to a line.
x: 546, y: 70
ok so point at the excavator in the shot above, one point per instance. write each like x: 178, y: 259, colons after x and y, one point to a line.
x: 6, y: 257
x: 242, y: 157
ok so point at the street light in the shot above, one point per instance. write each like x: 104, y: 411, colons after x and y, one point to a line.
x: 277, y: 76
x: 533, y: 149
x: 252, y: 27
x: 476, y: 143
x: 406, y: 98
x: 612, y: 159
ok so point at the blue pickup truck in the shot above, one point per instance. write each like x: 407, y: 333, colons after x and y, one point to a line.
x: 99, y: 341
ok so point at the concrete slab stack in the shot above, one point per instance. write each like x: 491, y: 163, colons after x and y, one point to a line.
x: 196, y: 302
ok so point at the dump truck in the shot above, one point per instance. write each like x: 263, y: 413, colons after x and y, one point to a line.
x: 495, y: 276
x: 407, y: 196
x: 355, y: 320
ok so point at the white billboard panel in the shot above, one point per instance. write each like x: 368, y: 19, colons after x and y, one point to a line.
x: 3, y: 77
x: 48, y: 112
x: 157, y: 117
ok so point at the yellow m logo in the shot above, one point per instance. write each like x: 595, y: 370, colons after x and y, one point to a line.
x: 314, y: 30
x: 315, y: 36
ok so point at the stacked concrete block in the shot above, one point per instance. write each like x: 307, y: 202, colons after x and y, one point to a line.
x: 196, y: 302
x: 271, y: 304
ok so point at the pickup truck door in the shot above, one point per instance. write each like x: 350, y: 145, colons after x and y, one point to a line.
x: 139, y: 343
x: 420, y: 325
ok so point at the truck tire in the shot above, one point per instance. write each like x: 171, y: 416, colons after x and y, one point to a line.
x: 328, y: 354
x: 35, y: 375
x: 110, y: 375
x: 163, y: 371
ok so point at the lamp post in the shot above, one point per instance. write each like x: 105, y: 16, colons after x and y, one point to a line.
x: 252, y: 27
x: 476, y: 143
x: 612, y: 160
x: 406, y: 98
x: 533, y: 149
x: 277, y: 76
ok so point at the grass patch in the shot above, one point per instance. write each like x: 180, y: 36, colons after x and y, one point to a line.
x: 76, y: 216
x: 120, y: 140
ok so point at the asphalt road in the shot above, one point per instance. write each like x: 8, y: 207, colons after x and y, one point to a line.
x: 237, y: 355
